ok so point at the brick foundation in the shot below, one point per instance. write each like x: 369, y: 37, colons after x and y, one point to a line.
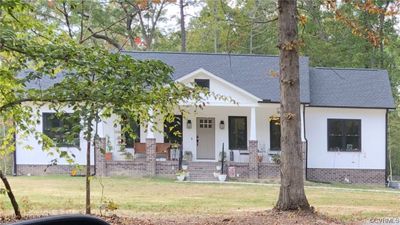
x: 357, y: 176
x: 167, y: 168
x: 265, y: 170
x: 42, y: 170
x: 244, y: 171
x: 268, y: 170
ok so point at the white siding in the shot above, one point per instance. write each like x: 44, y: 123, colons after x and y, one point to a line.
x: 372, y: 155
x: 223, y: 88
x: 37, y: 156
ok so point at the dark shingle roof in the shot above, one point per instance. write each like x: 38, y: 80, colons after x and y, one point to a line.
x: 365, y: 88
x: 325, y: 87
x: 249, y: 72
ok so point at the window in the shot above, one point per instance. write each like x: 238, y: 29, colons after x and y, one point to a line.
x: 134, y: 127
x: 344, y: 135
x: 206, y: 123
x: 173, y: 130
x: 204, y: 83
x: 275, y: 133
x: 63, y: 129
x: 237, y: 133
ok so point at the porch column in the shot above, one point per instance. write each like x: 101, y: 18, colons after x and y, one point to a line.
x: 150, y: 148
x: 253, y: 146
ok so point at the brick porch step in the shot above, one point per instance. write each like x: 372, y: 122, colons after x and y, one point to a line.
x: 202, y: 171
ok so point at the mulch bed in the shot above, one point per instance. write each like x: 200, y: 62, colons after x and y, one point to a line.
x: 269, y: 217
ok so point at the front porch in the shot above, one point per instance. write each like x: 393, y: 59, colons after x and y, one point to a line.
x: 248, y: 135
x: 203, y: 134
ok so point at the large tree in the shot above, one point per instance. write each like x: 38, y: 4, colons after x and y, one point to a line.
x: 291, y: 194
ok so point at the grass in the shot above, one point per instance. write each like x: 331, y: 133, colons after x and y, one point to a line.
x: 163, y: 197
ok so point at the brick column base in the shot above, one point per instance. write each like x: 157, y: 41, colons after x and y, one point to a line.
x: 151, y: 156
x: 99, y: 157
x: 253, y: 162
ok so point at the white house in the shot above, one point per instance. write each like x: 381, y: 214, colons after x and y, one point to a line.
x: 344, y: 123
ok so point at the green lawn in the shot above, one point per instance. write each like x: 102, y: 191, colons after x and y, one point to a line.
x: 160, y: 197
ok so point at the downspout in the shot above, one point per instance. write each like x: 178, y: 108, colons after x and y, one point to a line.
x: 305, y: 138
x: 386, y: 148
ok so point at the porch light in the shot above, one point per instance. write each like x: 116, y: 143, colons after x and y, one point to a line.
x: 189, y: 124
x: 222, y: 125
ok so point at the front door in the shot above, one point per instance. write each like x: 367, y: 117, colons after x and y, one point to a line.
x: 205, y: 138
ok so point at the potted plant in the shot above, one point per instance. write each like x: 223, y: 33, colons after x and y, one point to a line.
x: 222, y: 177
x: 108, y: 152
x: 181, y: 175
x: 187, y: 156
x: 276, y: 158
x: 260, y: 157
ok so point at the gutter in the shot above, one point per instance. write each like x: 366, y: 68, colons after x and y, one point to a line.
x: 305, y: 138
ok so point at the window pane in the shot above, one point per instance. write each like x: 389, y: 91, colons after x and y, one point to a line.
x: 237, y: 132
x: 335, y: 128
x: 335, y: 135
x: 275, y: 134
x: 335, y: 143
x: 352, y: 129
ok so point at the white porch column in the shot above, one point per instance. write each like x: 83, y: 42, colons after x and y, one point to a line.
x: 253, y: 129
x: 150, y: 124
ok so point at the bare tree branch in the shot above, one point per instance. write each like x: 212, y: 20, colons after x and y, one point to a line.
x: 65, y: 13
x: 103, y: 37
x: 96, y: 33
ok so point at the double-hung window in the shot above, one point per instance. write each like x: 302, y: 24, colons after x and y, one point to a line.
x: 344, y: 135
x: 62, y: 128
x: 275, y: 133
x: 237, y: 132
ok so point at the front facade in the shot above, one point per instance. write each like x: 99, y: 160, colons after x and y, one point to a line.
x: 343, y: 123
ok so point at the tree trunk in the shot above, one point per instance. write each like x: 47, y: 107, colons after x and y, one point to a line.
x: 381, y: 34
x: 215, y: 27
x: 291, y: 196
x: 88, y: 178
x: 10, y: 195
x: 88, y: 171
x: 183, y: 29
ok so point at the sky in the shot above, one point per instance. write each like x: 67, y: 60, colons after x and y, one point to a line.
x: 172, y: 11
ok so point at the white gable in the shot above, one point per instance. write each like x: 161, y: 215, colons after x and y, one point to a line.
x: 222, y: 87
